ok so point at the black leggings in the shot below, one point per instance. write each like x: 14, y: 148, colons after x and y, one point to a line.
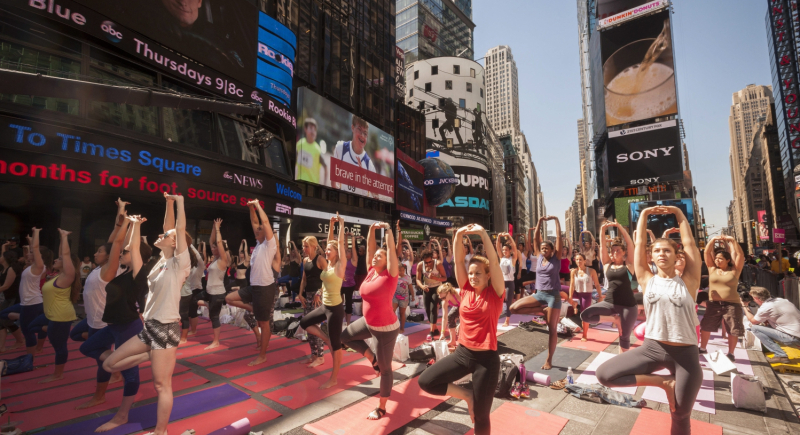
x: 682, y: 361
x: 356, y: 335
x: 431, y: 303
x: 214, y: 303
x: 627, y: 317
x: 485, y: 369
x: 333, y: 315
x: 188, y: 308
x: 347, y: 295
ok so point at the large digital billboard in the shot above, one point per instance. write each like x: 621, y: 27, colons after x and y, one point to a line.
x: 217, y: 33
x: 277, y: 47
x: 409, y: 187
x: 644, y: 155
x: 340, y: 150
x: 661, y: 222
x: 473, y: 193
x: 607, y: 8
x: 639, y: 70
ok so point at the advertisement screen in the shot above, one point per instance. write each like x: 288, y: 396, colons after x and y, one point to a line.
x: 763, y: 225
x: 644, y: 155
x: 638, y: 70
x: 409, y: 187
x: 277, y: 46
x: 607, y: 8
x: 473, y: 193
x: 662, y: 222
x: 217, y: 33
x: 622, y: 208
x: 340, y: 150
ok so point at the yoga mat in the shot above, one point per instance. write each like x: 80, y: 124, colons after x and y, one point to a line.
x: 40, y: 372
x: 417, y: 338
x: 588, y: 376
x: 237, y: 368
x: 407, y: 403
x: 705, y: 397
x: 597, y: 341
x: 512, y: 323
x: 217, y: 421
x: 47, y: 350
x: 652, y: 422
x: 239, y: 427
x: 271, y: 377
x: 207, y: 336
x: 513, y: 419
x: 74, y: 358
x: 416, y: 328
x: 23, y: 402
x: 303, y: 393
x: 537, y: 378
x: 562, y: 359
x: 200, y: 348
x: 227, y: 355
x: 46, y: 416
x: 717, y: 343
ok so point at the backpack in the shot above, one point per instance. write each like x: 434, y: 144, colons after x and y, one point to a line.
x: 509, y: 373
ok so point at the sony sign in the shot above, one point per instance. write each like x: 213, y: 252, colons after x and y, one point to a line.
x: 644, y: 155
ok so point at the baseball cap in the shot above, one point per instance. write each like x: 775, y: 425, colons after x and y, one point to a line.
x: 311, y: 121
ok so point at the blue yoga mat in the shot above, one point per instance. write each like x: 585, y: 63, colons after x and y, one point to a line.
x: 144, y: 417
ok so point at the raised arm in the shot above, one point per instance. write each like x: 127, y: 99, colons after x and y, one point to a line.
x: 640, y: 263
x: 628, y: 244
x: 537, y: 237
x: 496, y: 274
x: 691, y: 274
x: 216, y: 239
x: 121, y: 215
x: 449, y: 250
x: 392, y: 262
x: 459, y: 255
x: 169, y: 216
x: 371, y: 244
x: 438, y: 248
x: 254, y: 223
x: 133, y: 246
x: 67, y: 276
x: 109, y: 270
x: 400, y: 243
x: 332, y: 226
x: 38, y: 264
x: 353, y: 250
x: 736, y: 253
x: 180, y: 222
x: 709, y: 257
x: 265, y: 221
x: 604, y: 257
x: 559, y: 238
x: 341, y: 265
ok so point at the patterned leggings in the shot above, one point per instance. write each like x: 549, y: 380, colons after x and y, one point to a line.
x: 316, y: 343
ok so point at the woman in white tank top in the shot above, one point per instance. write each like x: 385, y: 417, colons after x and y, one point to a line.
x: 670, y: 336
x: 583, y: 281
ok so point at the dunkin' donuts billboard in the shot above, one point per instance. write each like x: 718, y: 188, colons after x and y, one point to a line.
x: 639, y: 70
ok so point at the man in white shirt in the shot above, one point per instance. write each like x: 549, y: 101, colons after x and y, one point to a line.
x: 259, y: 296
x: 781, y: 315
x: 353, y: 152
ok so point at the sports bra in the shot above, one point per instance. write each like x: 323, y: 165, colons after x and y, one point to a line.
x: 241, y: 266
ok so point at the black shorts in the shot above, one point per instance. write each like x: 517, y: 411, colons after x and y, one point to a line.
x: 564, y: 276
x: 262, y: 297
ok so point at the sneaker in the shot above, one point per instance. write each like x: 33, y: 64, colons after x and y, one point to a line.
x: 539, y: 320
x: 778, y: 360
x: 702, y: 351
x: 525, y: 392
x: 516, y: 390
x: 731, y: 357
x: 428, y: 338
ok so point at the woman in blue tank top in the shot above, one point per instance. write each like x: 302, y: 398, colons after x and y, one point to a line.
x: 547, y: 299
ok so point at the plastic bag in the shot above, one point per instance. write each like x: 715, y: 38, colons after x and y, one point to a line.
x: 440, y: 349
x: 720, y: 363
x: 747, y: 392
x: 357, y: 308
x: 401, y: 349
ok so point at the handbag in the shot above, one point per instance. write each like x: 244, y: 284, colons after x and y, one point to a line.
x: 747, y: 392
x: 720, y: 363
x: 400, y: 353
x: 440, y: 349
x: 421, y: 353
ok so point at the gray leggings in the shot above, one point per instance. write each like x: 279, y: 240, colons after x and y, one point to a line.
x: 682, y: 361
x: 627, y: 318
x: 354, y: 337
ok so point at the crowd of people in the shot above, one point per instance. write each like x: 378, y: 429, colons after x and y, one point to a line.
x: 141, y: 301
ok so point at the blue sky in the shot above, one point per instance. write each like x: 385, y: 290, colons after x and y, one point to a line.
x: 720, y: 47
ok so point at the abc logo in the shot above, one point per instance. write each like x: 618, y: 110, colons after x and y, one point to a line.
x: 112, y: 34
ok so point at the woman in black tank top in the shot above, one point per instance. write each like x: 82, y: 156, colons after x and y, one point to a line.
x: 309, y: 286
x: 619, y: 300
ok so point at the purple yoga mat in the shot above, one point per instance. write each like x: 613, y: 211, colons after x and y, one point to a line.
x: 145, y: 416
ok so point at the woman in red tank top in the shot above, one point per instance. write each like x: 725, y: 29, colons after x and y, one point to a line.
x: 481, y: 289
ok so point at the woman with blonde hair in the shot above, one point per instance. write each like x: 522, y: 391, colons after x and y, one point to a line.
x: 313, y: 265
x: 449, y: 297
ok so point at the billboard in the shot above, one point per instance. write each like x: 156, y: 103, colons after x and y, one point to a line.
x: 608, y: 8
x: 217, y: 33
x: 778, y: 235
x: 639, y: 70
x: 662, y: 222
x: 640, y: 9
x: 409, y: 187
x: 644, y: 155
x: 340, y: 150
x: 277, y: 47
x: 622, y: 208
x: 763, y: 225
x: 473, y: 193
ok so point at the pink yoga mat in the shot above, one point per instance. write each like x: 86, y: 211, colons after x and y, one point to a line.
x: 705, y: 398
x: 271, y: 377
x: 589, y: 377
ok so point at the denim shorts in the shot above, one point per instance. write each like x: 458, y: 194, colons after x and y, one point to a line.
x: 402, y: 303
x: 552, y: 298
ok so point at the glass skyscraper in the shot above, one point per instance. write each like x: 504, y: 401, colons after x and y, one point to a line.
x: 435, y: 28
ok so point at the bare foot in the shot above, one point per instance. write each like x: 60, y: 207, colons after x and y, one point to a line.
x: 213, y: 345
x: 115, y: 377
x: 111, y: 424
x: 317, y: 362
x: 191, y: 333
x: 37, y: 351
x: 326, y: 385
x: 306, y: 361
x: 584, y: 339
x: 505, y: 324
x: 469, y: 408
x: 402, y: 330
x: 547, y: 365
x: 257, y: 361
x: 669, y: 387
x: 94, y: 401
x: 183, y: 340
x: 51, y: 378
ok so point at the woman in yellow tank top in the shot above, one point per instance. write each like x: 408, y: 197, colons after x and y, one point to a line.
x: 332, y: 308
x: 59, y: 294
x: 724, y: 305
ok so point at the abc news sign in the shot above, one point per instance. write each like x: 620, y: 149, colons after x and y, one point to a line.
x: 644, y: 155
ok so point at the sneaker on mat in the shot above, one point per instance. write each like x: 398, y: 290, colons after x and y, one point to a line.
x: 778, y: 360
x: 525, y: 392
x: 516, y: 390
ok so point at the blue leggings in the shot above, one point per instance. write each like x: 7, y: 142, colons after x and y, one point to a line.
x: 101, y: 341
x: 27, y: 314
x: 7, y: 323
x: 76, y: 334
x: 57, y: 333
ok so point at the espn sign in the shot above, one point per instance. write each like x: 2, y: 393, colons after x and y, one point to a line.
x: 283, y: 208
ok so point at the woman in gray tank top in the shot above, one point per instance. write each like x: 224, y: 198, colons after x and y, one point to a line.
x: 670, y: 337
x: 547, y: 299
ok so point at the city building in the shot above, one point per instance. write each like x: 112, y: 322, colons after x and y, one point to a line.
x: 573, y: 224
x: 749, y: 105
x: 516, y: 194
x: 754, y: 196
x: 450, y: 92
x: 502, y: 90
x: 435, y: 28
x: 585, y: 127
x: 583, y: 152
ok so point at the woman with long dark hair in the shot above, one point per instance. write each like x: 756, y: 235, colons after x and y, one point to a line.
x: 379, y: 321
x: 582, y: 283
x: 430, y: 274
x: 724, y: 304
x: 619, y: 300
x: 59, y: 294
x: 505, y: 244
x: 670, y: 336
x: 481, y: 293
x: 547, y: 299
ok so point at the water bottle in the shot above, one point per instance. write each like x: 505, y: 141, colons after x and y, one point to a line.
x: 570, y: 376
x: 522, y: 372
